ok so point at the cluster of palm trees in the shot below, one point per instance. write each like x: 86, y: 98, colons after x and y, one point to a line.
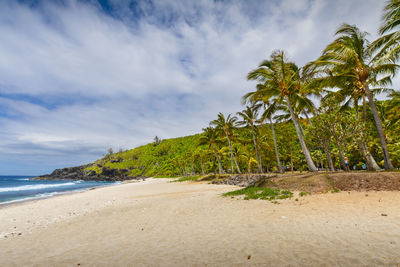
x: 350, y: 72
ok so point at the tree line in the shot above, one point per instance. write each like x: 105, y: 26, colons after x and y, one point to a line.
x: 330, y: 102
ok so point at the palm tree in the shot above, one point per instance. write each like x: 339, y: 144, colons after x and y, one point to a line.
x: 249, y: 116
x: 282, y: 84
x: 388, y: 45
x: 225, y: 126
x: 210, y: 138
x: 258, y: 101
x: 394, y: 108
x: 349, y: 59
x: 394, y: 102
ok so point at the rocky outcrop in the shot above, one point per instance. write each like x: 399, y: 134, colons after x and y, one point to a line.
x: 79, y: 173
x: 244, y: 180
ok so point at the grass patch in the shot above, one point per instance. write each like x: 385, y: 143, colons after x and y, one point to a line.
x: 302, y: 194
x: 214, y: 177
x: 164, y: 176
x: 188, y: 178
x: 264, y: 193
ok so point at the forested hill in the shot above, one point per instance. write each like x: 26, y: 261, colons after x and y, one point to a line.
x: 186, y: 155
x: 167, y: 157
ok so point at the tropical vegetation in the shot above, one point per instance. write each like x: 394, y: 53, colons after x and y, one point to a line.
x: 338, y: 112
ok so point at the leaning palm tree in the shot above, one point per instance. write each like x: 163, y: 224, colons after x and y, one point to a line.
x: 225, y: 126
x: 283, y: 84
x: 349, y: 59
x: 249, y: 119
x: 211, y: 139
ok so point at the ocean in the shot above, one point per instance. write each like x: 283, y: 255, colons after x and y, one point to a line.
x: 20, y: 188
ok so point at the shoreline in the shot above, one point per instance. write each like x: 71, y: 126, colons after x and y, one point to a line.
x: 56, y: 194
x: 156, y: 223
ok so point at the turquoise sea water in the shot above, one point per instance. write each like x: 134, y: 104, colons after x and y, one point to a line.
x: 19, y: 188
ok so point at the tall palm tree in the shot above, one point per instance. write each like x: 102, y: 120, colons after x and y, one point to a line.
x: 249, y: 119
x: 211, y: 139
x: 258, y: 101
x: 349, y: 59
x: 225, y: 126
x: 283, y: 84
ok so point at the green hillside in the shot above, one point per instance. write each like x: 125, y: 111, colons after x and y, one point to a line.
x: 158, y: 158
x: 185, y: 156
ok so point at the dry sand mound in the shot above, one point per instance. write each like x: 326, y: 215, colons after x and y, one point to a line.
x: 376, y: 181
x: 318, y: 182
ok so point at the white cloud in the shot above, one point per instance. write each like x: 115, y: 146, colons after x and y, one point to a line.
x: 76, y: 80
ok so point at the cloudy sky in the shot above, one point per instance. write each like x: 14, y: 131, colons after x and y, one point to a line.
x: 79, y: 77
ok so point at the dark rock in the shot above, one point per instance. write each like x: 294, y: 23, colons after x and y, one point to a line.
x: 79, y: 173
x: 105, y: 171
x: 118, y: 160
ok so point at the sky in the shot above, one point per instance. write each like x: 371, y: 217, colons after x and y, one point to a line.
x: 80, y: 77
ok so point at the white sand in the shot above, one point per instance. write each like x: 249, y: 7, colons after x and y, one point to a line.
x: 157, y: 223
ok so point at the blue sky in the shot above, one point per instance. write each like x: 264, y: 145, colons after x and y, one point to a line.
x: 79, y: 77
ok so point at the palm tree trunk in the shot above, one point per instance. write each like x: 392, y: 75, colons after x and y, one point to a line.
x: 291, y: 160
x: 233, y: 158
x: 378, y: 124
x: 237, y: 165
x: 320, y: 159
x: 341, y: 155
x: 219, y: 161
x: 306, y: 152
x: 259, y: 159
x: 370, y: 161
x: 202, y: 166
x: 278, y: 162
x: 364, y: 110
x: 308, y: 118
x: 301, y: 127
x: 230, y: 147
x: 328, y: 155
x: 184, y: 170
x: 255, y: 147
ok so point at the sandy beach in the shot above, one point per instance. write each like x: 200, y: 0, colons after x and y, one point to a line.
x: 158, y: 223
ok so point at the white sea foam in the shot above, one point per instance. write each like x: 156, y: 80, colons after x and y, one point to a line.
x: 38, y: 196
x: 23, y: 179
x: 32, y: 187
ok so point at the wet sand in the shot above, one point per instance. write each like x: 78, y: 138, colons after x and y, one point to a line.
x: 158, y: 223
